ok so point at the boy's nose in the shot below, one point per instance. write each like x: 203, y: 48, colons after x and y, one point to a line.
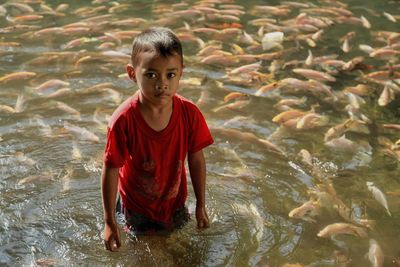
x: 162, y: 85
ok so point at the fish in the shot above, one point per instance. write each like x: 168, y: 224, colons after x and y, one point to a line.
x: 237, y: 106
x: 46, y: 262
x: 50, y: 85
x: 379, y: 196
x: 341, y: 144
x: 386, y: 96
x: 355, y: 100
x: 366, y: 48
x: 271, y: 40
x: 391, y: 126
x: 66, y: 108
x: 248, y: 137
x: 286, y: 103
x: 234, y: 95
x: 305, y: 212
x: 312, y: 120
x: 20, y: 104
x: 390, y: 17
x: 17, y: 76
x: 315, y: 75
x: 365, y: 22
x: 66, y: 179
x: 352, y: 63
x: 289, y: 114
x: 343, y: 228
x: 252, y: 215
x: 225, y: 60
x: 245, y: 68
x: 6, y: 109
x: 22, y: 18
x: 81, y: 133
x: 267, y: 88
x: 359, y: 89
x: 36, y: 178
x: 384, y: 53
x: 306, y: 157
x: 62, y: 92
x: 375, y: 254
x: 309, y: 59
x: 346, y: 46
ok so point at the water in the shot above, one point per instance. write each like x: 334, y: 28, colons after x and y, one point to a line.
x: 50, y: 178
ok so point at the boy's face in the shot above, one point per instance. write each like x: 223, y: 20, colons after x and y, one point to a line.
x: 157, y: 76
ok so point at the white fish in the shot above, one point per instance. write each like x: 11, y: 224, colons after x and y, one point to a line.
x: 316, y: 36
x: 342, y: 228
x: 310, y: 58
x: 81, y: 133
x: 312, y: 120
x: 252, y: 215
x: 66, y: 108
x: 6, y: 109
x: 378, y: 195
x: 36, y: 178
x: 20, y: 104
x: 366, y: 48
x: 365, y: 22
x: 66, y: 180
x: 246, y: 68
x: 375, y: 254
x: 345, y: 45
x: 389, y: 17
x: 272, y: 40
x: 355, y: 100
x: 341, y: 143
x: 386, y: 96
x: 76, y: 153
x: 306, y: 211
x: 306, y: 157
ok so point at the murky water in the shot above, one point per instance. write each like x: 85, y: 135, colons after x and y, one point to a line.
x: 50, y: 202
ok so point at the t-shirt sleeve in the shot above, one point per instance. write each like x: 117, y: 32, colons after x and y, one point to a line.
x: 116, y: 149
x: 200, y: 135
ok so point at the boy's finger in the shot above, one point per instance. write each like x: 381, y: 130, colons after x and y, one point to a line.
x: 118, y: 241
x: 108, y: 245
x: 113, y: 245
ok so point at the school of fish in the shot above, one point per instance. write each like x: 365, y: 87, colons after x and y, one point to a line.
x: 278, y: 58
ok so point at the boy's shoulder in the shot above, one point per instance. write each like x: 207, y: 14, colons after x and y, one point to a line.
x: 186, y: 103
x: 123, y: 110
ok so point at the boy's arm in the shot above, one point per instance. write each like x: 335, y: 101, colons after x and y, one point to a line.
x: 109, y: 188
x: 197, y: 169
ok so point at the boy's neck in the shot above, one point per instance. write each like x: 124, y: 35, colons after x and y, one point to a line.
x: 156, y: 116
x: 152, y: 108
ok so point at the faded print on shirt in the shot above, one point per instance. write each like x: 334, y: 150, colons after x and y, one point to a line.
x: 148, y: 183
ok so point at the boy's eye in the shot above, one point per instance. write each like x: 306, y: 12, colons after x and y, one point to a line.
x: 171, y: 75
x: 150, y: 75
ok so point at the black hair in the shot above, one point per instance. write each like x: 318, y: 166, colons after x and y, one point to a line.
x: 161, y: 40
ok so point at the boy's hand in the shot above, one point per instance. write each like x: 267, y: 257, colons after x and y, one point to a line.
x: 202, y: 217
x: 112, y: 239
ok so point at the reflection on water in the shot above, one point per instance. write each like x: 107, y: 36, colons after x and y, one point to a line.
x: 284, y: 135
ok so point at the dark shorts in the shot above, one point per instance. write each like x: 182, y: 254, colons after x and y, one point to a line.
x: 140, y: 224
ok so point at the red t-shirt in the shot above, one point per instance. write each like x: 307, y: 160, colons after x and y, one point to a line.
x: 152, y: 176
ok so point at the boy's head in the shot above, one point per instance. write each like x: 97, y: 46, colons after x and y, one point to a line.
x: 159, y: 40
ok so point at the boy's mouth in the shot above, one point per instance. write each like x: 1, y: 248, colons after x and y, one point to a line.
x: 163, y: 94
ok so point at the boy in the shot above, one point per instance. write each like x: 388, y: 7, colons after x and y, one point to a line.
x: 148, y: 138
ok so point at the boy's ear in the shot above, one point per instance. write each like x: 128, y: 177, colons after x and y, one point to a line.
x: 131, y: 72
